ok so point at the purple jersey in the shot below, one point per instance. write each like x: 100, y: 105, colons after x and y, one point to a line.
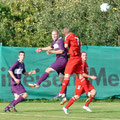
x: 59, y: 45
x: 17, y: 68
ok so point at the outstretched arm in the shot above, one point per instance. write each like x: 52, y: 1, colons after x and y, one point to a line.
x: 89, y: 76
x: 55, y: 52
x: 30, y: 73
x: 43, y: 49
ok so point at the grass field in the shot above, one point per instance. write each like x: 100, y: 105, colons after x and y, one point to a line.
x: 53, y: 111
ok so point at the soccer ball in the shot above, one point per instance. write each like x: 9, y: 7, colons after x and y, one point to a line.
x: 104, y: 7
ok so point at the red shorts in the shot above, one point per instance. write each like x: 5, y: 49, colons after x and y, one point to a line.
x: 79, y: 90
x: 74, y: 65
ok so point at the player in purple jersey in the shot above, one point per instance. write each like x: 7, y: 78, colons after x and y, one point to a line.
x: 60, y: 62
x: 16, y: 87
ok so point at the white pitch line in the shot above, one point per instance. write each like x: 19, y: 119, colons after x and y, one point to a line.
x: 51, y: 116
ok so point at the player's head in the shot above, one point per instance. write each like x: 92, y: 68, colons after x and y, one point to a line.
x: 65, y: 31
x: 84, y: 56
x: 55, y: 35
x: 21, y: 55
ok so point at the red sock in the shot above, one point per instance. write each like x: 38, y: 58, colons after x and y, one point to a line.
x: 87, y: 103
x: 71, y: 101
x: 64, y: 85
x: 84, y: 85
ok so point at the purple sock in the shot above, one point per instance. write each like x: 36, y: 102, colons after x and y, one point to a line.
x: 42, y: 78
x: 12, y: 102
x: 7, y: 107
x: 18, y: 100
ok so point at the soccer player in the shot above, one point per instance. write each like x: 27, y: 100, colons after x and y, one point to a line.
x: 74, y: 63
x: 16, y: 87
x: 79, y: 90
x: 60, y: 62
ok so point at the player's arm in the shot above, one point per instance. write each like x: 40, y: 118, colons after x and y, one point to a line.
x: 43, y: 49
x: 89, y: 76
x: 66, y: 46
x: 59, y: 51
x: 55, y: 52
x: 13, y: 76
x: 30, y: 73
x: 67, y: 42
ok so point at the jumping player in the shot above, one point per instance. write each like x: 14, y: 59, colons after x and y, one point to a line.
x: 59, y: 64
x: 79, y: 90
x: 16, y: 87
x: 74, y: 63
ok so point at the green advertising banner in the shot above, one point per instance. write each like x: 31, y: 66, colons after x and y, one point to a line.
x: 103, y: 62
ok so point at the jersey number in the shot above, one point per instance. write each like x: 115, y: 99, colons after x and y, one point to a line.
x: 78, y: 41
x: 79, y: 86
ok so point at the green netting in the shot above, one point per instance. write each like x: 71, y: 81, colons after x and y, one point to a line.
x: 103, y: 62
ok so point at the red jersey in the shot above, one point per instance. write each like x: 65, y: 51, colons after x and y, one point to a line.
x: 74, y: 44
x: 79, y: 90
x: 84, y: 67
x: 84, y: 70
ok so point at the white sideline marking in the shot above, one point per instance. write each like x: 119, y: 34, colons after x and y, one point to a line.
x: 67, y: 116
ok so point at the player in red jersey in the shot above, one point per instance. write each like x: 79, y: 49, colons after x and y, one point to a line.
x: 74, y: 63
x: 79, y: 90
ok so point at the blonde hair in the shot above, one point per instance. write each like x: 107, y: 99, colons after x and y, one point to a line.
x: 56, y: 31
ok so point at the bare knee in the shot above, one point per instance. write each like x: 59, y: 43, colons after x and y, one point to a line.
x: 77, y: 97
x: 25, y: 95
x: 49, y: 70
x: 61, y: 79
x: 67, y: 76
x: 16, y: 96
x: 93, y: 92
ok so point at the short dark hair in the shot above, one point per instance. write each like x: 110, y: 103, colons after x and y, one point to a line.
x: 84, y: 52
x: 21, y: 52
x: 65, y: 31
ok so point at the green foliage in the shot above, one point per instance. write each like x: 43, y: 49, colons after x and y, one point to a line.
x: 30, y: 22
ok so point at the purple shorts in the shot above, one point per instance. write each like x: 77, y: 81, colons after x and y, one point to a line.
x: 18, y: 89
x: 59, y: 65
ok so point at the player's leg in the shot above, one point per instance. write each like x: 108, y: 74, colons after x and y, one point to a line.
x: 93, y: 93
x: 78, y: 91
x: 11, y: 104
x: 68, y: 71
x: 88, y: 101
x: 62, y: 92
x: 7, y: 108
x: 45, y: 75
x: 84, y: 84
x: 71, y: 101
x: 19, y: 93
x: 56, y: 66
x: 66, y: 80
x: 61, y: 77
x: 64, y: 85
x: 64, y: 100
x: 42, y: 78
x: 79, y: 73
x: 18, y: 99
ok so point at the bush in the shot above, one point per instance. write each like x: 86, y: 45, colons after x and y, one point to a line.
x: 30, y: 22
